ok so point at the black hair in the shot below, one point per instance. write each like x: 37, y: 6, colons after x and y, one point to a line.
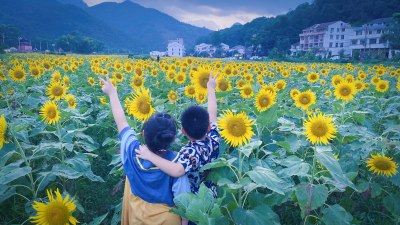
x: 159, y: 131
x: 195, y: 121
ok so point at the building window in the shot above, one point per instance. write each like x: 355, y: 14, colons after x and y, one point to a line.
x: 378, y: 31
x: 337, y: 45
x: 337, y: 29
x: 337, y: 37
x: 370, y: 32
x: 320, y: 44
x: 372, y: 41
x: 301, y: 46
x: 331, y: 37
x: 359, y: 32
x: 354, y: 42
x: 341, y: 45
x: 362, y: 42
x: 330, y: 44
x: 332, y: 29
x: 342, y: 37
x: 343, y: 29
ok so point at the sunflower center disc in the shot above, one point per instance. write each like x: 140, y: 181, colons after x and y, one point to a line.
x: 382, y: 164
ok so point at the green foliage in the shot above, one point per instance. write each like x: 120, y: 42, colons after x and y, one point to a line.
x: 79, y: 44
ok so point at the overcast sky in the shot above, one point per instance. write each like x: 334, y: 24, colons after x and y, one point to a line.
x: 216, y: 14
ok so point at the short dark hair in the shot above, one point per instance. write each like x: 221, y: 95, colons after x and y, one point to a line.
x: 159, y: 131
x: 195, y: 121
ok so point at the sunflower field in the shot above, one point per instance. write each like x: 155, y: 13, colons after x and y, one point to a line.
x: 303, y: 143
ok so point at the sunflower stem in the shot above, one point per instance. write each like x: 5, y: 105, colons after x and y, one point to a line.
x: 240, y: 176
x: 313, y: 168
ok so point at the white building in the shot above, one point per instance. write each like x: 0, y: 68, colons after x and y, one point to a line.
x: 325, y: 39
x: 367, y: 39
x: 157, y: 53
x: 203, y: 47
x: 239, y: 48
x: 176, y: 48
x: 224, y: 47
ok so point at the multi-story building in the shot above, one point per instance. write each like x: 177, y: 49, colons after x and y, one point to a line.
x: 203, y: 47
x: 176, y: 48
x: 325, y: 39
x: 367, y: 40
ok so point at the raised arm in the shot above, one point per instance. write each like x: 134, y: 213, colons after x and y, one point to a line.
x: 116, y: 107
x: 171, y: 168
x: 212, y: 99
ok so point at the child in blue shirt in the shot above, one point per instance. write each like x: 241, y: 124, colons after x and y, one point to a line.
x: 151, y: 190
x: 200, y: 126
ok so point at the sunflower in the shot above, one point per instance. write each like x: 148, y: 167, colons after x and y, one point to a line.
x: 319, y: 129
x: 91, y: 81
x: 223, y: 84
x: 246, y: 91
x: 293, y: 93
x: 312, y: 77
x: 264, y: 100
x: 382, y: 165
x: 2, y: 75
x: 138, y: 71
x: 382, y: 86
x: 170, y: 75
x: 280, y: 85
x: 336, y: 80
x: 103, y: 100
x: 35, y: 71
x: 190, y: 91
x: 172, y: 96
x: 305, y: 99
x: 58, y: 211
x: 56, y: 91
x: 128, y: 68
x: 359, y: 85
x: 180, y: 78
x: 3, y: 128
x: 154, y: 72
x: 236, y: 128
x: 71, y: 100
x: 201, y: 97
x: 137, y: 82
x: 240, y: 83
x: 200, y: 79
x: 269, y: 87
x: 17, y: 74
x: 139, y: 104
x: 49, y: 112
x: 56, y: 77
x: 375, y: 80
x: 118, y: 76
x: 345, y: 90
x: 66, y: 81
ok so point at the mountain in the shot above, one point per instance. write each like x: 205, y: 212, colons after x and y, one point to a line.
x: 281, y: 31
x: 120, y: 26
x: 49, y: 19
x: 78, y: 3
x: 149, y: 25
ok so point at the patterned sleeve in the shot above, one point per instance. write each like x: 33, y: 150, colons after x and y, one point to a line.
x: 128, y: 142
x: 215, y: 137
x: 188, y: 158
x: 214, y: 132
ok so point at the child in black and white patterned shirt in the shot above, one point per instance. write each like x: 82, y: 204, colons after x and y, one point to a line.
x: 200, y: 126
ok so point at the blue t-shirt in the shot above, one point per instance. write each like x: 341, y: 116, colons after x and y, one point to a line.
x: 147, y: 181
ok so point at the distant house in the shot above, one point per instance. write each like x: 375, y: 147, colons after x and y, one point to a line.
x: 157, y: 53
x: 239, y: 48
x: 24, y: 45
x: 176, y: 48
x: 367, y: 39
x: 325, y: 39
x: 224, y: 47
x: 203, y: 47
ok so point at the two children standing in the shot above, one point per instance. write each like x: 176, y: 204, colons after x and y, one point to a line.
x: 155, y: 174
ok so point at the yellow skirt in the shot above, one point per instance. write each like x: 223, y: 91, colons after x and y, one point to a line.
x: 135, y: 211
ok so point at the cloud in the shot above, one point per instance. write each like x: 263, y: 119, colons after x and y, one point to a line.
x: 216, y: 14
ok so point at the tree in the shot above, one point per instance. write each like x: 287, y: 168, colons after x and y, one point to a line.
x: 393, y: 36
x: 9, y: 35
x: 79, y: 44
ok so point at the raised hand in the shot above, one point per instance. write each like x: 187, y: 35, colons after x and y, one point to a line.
x: 144, y: 153
x: 108, y: 88
x: 212, y: 81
